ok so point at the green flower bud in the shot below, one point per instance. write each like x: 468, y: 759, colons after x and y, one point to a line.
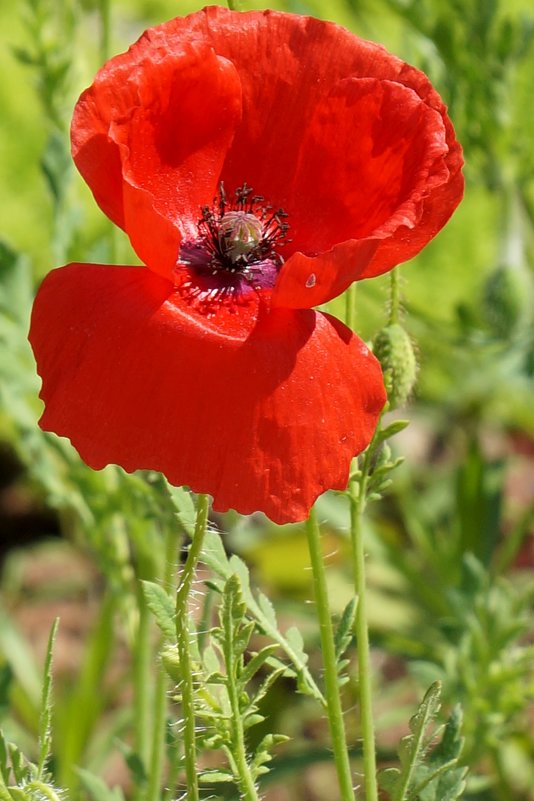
x: 394, y: 350
x: 507, y: 300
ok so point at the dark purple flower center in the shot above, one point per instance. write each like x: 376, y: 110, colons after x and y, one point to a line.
x: 238, y: 242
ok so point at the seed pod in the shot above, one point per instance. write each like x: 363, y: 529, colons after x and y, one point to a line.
x: 394, y: 350
x: 507, y: 300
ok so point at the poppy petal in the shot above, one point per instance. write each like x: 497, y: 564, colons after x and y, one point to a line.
x: 263, y: 415
x: 395, y: 152
x: 146, y: 139
x: 281, y: 116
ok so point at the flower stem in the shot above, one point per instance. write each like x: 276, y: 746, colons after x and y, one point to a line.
x: 350, y: 306
x: 160, y: 690
x: 394, y: 297
x: 247, y: 788
x: 182, y: 635
x: 357, y: 496
x: 335, y: 713
x: 234, y: 5
x: 105, y: 29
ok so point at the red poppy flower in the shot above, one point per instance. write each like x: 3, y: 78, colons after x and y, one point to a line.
x: 259, y: 164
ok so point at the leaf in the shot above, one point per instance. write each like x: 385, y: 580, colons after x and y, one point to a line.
x: 262, y: 611
x: 214, y: 555
x: 344, y: 632
x: 97, y: 788
x: 45, y: 737
x: 389, y: 431
x: 134, y: 762
x: 162, y: 607
x: 256, y: 663
x: 412, y: 747
x: 215, y: 776
x: 182, y: 500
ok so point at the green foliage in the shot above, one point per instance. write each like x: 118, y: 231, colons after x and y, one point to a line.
x: 262, y: 610
x: 423, y: 776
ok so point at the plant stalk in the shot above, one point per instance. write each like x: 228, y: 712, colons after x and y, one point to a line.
x: 334, y: 710
x: 183, y: 635
x: 357, y: 496
x: 160, y: 691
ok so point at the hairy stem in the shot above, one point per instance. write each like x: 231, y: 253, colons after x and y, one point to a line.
x: 184, y: 654
x: 160, y: 691
x: 394, y: 296
x: 357, y: 496
x: 245, y: 781
x: 334, y: 710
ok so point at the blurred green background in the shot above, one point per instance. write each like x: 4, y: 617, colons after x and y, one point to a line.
x: 451, y: 545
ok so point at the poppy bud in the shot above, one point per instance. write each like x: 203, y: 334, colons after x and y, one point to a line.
x: 506, y: 300
x: 394, y: 350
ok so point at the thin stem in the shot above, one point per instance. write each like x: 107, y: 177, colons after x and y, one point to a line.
x: 160, y: 690
x: 142, y: 679
x: 350, y: 306
x: 394, y: 297
x: 335, y: 712
x: 234, y: 5
x: 357, y: 495
x: 182, y: 636
x: 105, y: 29
x: 247, y: 787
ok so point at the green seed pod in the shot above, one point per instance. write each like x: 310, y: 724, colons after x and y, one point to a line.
x: 394, y: 350
x: 507, y: 300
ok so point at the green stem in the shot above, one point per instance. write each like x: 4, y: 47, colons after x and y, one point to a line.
x: 245, y: 781
x: 357, y: 495
x: 350, y: 306
x: 394, y: 297
x: 142, y: 679
x: 105, y: 29
x: 335, y: 712
x: 182, y: 635
x: 160, y: 690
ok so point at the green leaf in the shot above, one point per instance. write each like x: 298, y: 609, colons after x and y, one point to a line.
x: 182, y: 500
x: 45, y: 737
x: 97, y: 788
x: 345, y: 628
x: 256, y: 663
x: 412, y: 747
x: 390, y: 430
x: 215, y: 776
x: 162, y: 607
x: 214, y: 555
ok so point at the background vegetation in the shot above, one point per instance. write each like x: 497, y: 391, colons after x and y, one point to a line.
x: 451, y: 557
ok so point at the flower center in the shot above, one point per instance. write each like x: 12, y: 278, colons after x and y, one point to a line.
x: 238, y: 240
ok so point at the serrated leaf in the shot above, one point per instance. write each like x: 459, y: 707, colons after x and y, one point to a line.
x: 267, y: 610
x: 412, y: 747
x: 214, y: 555
x: 182, y: 500
x: 388, y: 778
x: 45, y: 716
x: 294, y: 638
x: 345, y: 628
x: 162, y: 607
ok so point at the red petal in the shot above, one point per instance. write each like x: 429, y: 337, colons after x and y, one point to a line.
x: 264, y: 415
x: 150, y: 137
x: 283, y: 150
x: 394, y: 156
